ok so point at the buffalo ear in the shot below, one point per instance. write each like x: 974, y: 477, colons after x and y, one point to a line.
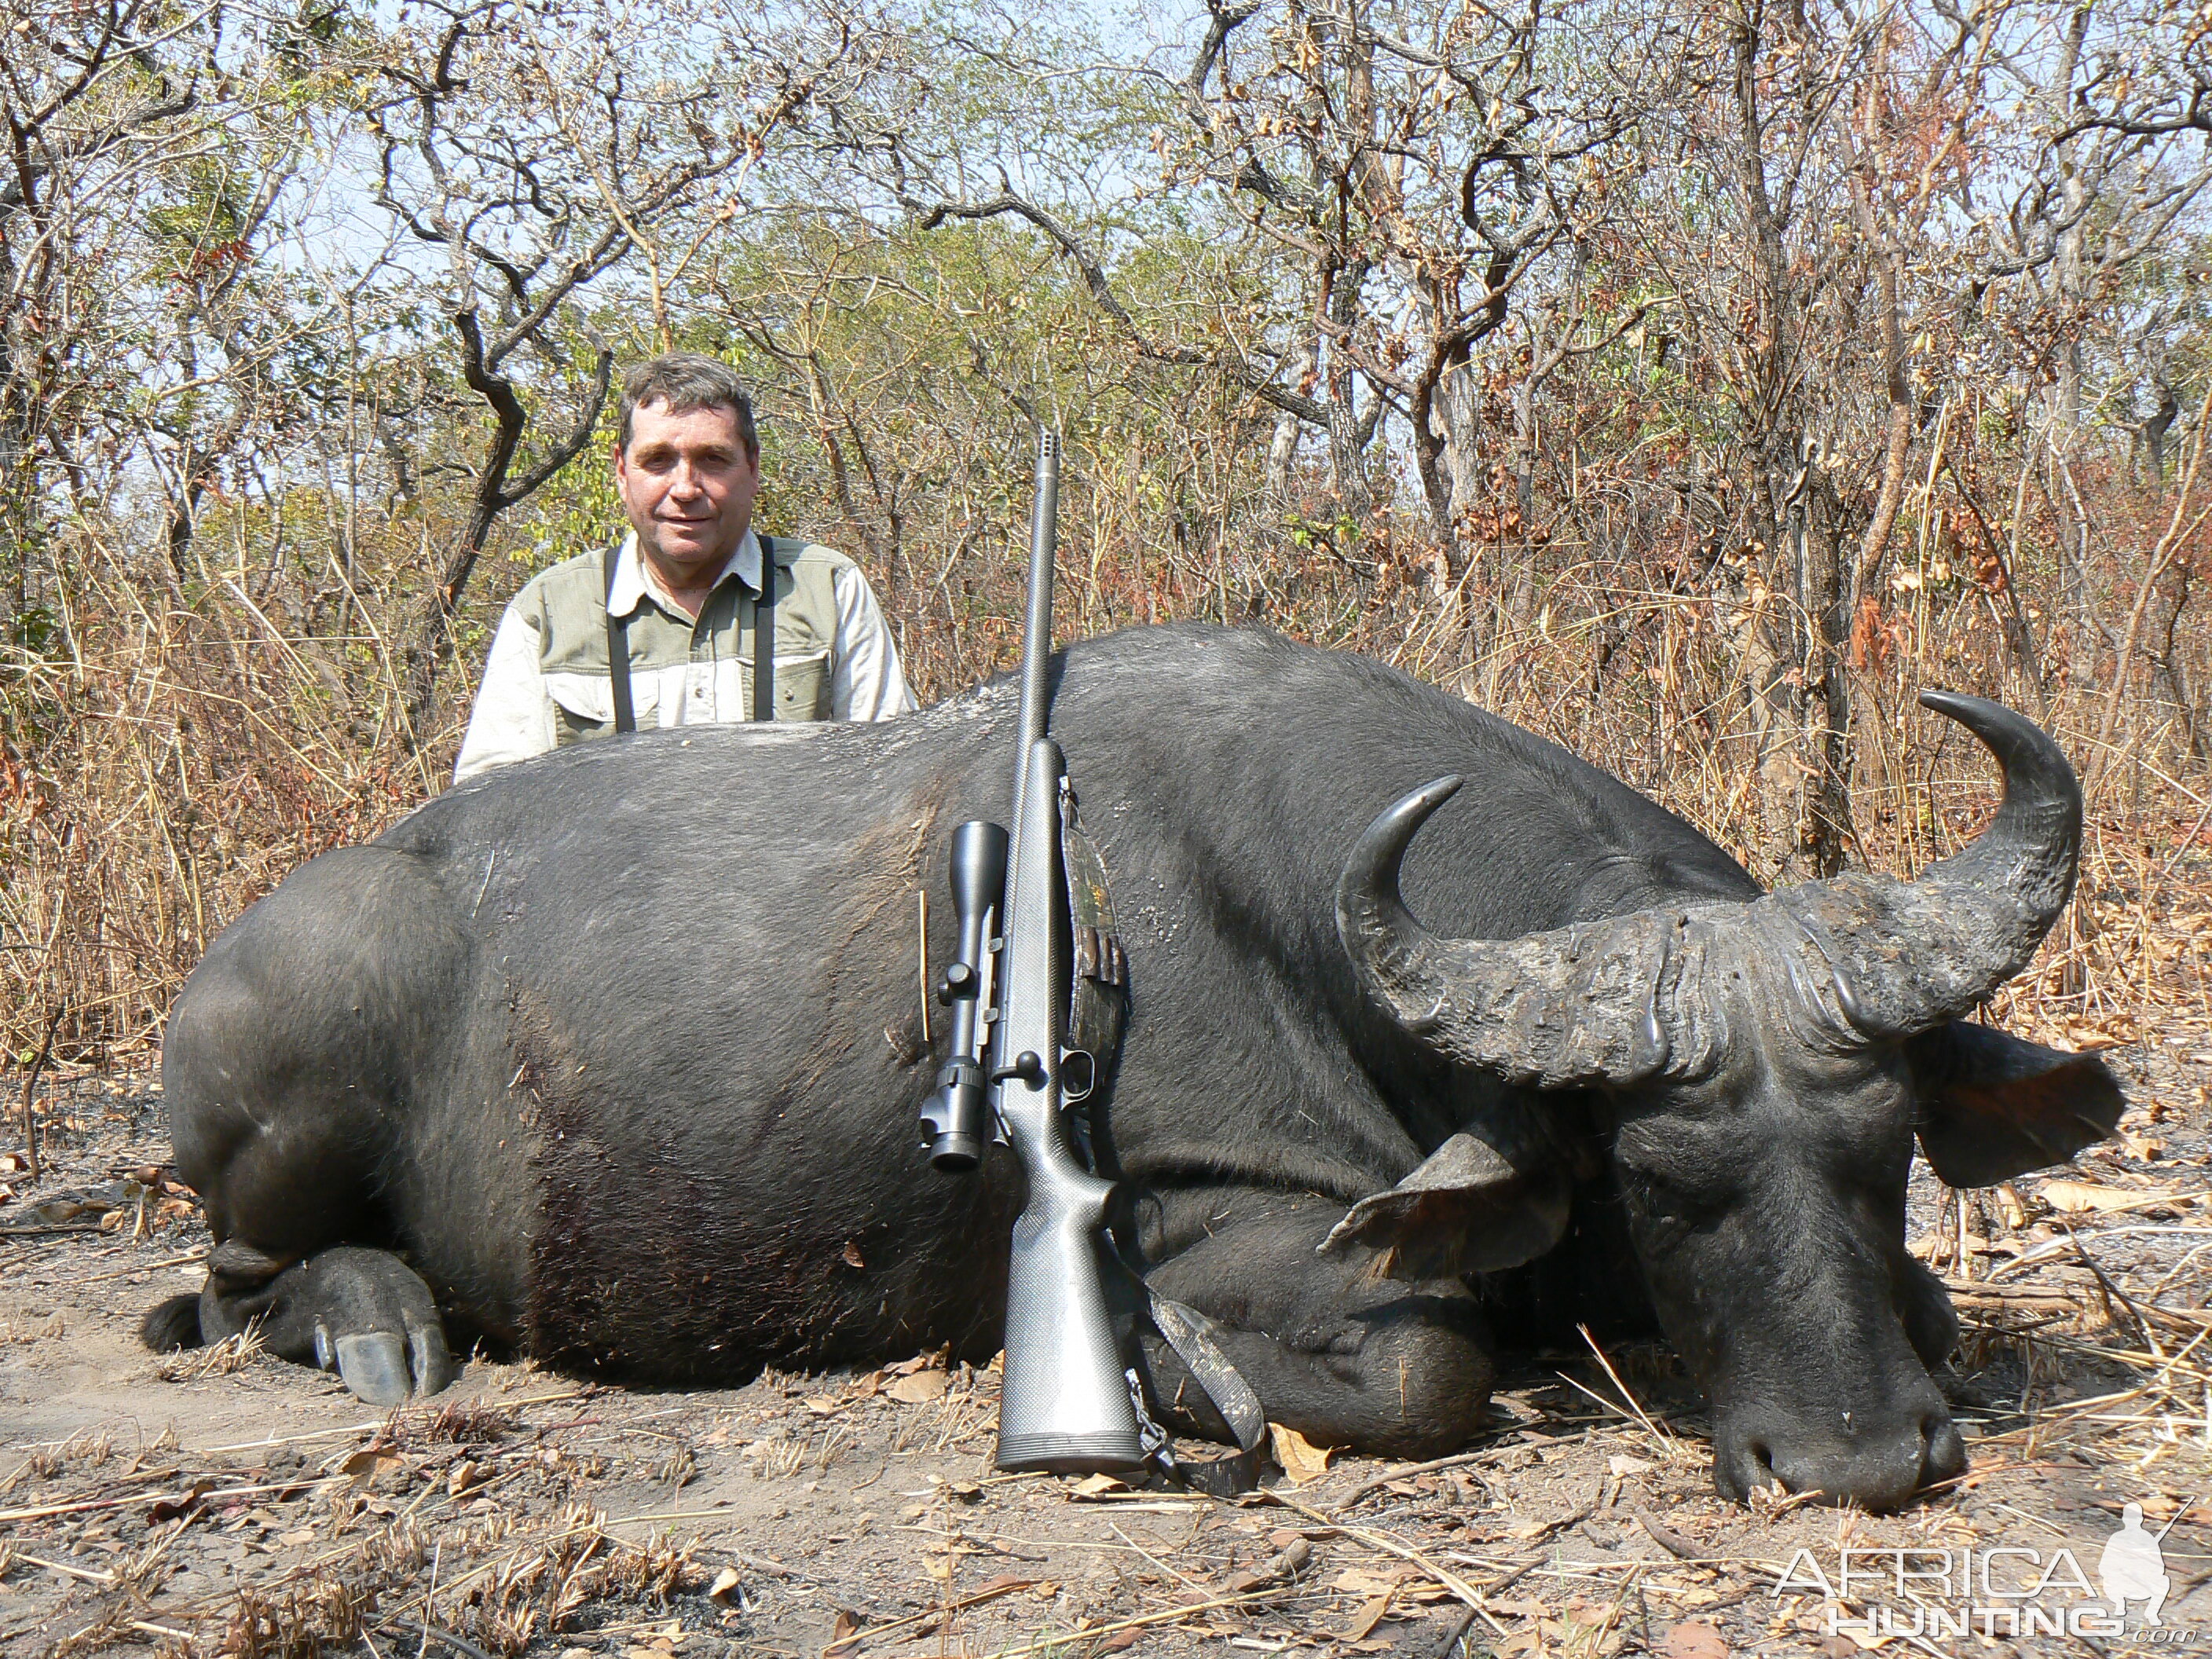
x: 1465, y: 1210
x: 1993, y: 1106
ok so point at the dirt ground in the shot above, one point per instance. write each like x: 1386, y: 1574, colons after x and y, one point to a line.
x: 226, y: 1502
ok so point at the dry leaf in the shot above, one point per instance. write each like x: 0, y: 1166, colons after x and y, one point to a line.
x: 1364, y: 1621
x: 1694, y: 1640
x: 725, y: 1582
x: 1286, y: 1563
x: 845, y: 1631
x: 917, y: 1387
x: 823, y: 1405
x: 1301, y: 1459
x: 466, y: 1473
x: 1370, y: 1581
x: 1526, y: 1607
x: 852, y: 1257
x: 2087, y: 1039
x: 1097, y: 1485
x: 365, y: 1465
x: 2079, y: 1196
x: 1621, y: 1468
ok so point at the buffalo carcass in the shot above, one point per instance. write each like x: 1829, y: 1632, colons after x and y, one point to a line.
x: 615, y: 1057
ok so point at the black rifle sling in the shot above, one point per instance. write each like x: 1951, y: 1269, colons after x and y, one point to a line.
x: 618, y: 649
x: 764, y: 636
x: 1192, y: 1335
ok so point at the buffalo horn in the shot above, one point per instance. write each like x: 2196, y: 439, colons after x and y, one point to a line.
x: 1572, y: 1007
x: 1907, y: 955
x: 1617, y: 1000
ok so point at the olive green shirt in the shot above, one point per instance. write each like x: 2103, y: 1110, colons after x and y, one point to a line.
x: 546, y: 682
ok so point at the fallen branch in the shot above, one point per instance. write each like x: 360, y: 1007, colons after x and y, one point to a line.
x: 81, y: 1507
x: 991, y: 1593
x: 1049, y: 1643
x: 85, y: 1573
x: 1377, y: 1483
x: 1390, y: 1546
x: 47, y: 1229
x: 1665, y: 1537
x: 148, y: 1268
x: 432, y: 1633
x: 30, y: 1085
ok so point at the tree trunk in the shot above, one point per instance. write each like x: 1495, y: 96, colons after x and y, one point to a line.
x: 432, y: 644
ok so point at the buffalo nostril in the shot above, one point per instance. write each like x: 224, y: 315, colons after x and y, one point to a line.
x: 1943, y: 1449
x: 1759, y: 1456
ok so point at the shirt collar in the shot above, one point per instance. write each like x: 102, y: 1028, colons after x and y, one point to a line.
x: 633, y: 585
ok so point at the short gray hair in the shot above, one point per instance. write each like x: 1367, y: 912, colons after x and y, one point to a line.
x: 682, y: 381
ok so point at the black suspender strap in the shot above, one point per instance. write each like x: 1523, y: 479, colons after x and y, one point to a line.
x: 763, y: 642
x: 764, y: 636
x: 618, y: 650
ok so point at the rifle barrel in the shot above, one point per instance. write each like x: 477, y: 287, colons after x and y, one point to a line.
x: 1036, y: 640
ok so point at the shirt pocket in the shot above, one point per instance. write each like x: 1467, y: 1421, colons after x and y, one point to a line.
x: 802, y: 686
x: 584, y: 704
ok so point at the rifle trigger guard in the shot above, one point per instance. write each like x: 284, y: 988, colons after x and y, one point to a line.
x: 1079, y: 1076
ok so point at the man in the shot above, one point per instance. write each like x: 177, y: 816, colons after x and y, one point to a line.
x: 681, y: 601
x: 2133, y: 1567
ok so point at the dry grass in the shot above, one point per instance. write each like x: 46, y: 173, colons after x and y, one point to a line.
x: 192, y: 745
x: 225, y: 1358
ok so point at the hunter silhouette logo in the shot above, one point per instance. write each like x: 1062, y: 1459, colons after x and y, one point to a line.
x: 2004, y: 1590
x: 2133, y: 1566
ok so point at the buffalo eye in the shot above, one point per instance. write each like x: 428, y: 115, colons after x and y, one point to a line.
x: 1664, y: 1201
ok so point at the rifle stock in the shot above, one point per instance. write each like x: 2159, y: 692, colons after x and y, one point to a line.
x: 1064, y: 1404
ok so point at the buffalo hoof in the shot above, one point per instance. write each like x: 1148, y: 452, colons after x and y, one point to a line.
x: 375, y: 1366
x: 376, y: 1325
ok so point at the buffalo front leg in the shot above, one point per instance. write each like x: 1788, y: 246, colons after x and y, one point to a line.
x: 363, y: 1313
x: 1334, y: 1351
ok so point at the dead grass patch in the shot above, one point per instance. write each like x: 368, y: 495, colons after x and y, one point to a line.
x: 224, y: 1359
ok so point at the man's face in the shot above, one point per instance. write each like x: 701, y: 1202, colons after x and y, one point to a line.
x: 687, y: 483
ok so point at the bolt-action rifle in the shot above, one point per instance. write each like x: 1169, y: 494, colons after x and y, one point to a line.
x: 1066, y: 1403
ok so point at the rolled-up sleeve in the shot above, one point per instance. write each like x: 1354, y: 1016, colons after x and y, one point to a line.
x: 865, y: 680
x: 511, y: 722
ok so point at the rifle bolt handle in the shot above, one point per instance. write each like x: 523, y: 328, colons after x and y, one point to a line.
x: 1026, y: 1067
